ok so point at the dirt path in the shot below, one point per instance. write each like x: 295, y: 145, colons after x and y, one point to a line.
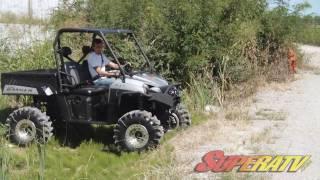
x: 281, y: 119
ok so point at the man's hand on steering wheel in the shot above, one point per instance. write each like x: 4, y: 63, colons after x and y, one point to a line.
x: 115, y: 73
x: 127, y: 67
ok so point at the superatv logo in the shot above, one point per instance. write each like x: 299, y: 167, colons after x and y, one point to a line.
x: 13, y: 89
x: 216, y: 161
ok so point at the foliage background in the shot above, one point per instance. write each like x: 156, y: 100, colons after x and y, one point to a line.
x: 189, y: 37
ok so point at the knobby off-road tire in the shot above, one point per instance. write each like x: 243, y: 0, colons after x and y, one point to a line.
x: 138, y: 131
x: 28, y: 124
x: 183, y: 115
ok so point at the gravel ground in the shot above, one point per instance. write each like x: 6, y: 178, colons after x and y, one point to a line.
x: 300, y: 135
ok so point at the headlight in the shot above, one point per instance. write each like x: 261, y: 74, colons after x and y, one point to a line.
x: 146, y: 88
x: 174, y: 91
x: 155, y: 89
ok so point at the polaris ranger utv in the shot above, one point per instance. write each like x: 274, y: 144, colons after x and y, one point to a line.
x: 141, y: 103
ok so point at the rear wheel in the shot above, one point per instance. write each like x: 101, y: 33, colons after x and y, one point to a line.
x: 28, y: 124
x: 138, y: 131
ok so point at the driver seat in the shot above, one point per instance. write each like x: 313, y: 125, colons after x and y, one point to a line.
x: 78, y: 74
x: 84, y: 67
x: 70, y: 67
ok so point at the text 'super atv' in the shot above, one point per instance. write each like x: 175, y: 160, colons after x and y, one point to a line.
x: 142, y: 104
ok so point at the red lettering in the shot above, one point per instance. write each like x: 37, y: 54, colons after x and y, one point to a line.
x: 217, y: 162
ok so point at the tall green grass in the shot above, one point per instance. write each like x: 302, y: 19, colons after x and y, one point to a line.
x: 4, y: 158
x: 200, y: 92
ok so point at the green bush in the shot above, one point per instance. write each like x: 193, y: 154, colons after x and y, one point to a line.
x: 185, y: 37
x: 224, y: 42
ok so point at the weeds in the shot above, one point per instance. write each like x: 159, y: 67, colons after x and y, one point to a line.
x: 4, y: 158
x: 41, y: 154
x: 200, y: 92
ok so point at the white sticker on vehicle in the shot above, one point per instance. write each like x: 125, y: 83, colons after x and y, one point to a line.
x: 13, y: 89
x: 47, y: 90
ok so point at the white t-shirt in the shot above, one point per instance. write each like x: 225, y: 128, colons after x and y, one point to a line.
x: 96, y: 60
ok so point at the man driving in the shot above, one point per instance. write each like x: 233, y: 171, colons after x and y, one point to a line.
x: 97, y: 63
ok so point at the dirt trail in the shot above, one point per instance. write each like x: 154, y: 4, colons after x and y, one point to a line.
x: 281, y: 119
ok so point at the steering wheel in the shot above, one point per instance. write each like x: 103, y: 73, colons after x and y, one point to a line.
x: 127, y: 67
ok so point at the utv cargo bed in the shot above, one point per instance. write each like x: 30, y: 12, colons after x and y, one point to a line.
x: 35, y: 82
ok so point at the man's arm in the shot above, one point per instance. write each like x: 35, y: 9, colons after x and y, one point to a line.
x: 105, y: 73
x: 110, y: 63
x: 113, y: 65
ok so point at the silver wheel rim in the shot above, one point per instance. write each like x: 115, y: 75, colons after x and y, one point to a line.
x: 137, y: 136
x: 174, y: 121
x: 26, y: 130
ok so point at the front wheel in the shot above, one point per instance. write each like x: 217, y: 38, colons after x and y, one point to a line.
x: 138, y: 131
x: 183, y: 115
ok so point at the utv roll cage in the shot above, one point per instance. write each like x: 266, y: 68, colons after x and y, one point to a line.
x: 101, y: 33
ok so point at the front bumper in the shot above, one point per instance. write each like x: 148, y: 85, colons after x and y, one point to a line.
x: 169, y: 96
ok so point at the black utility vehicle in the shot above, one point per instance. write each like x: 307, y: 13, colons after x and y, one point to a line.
x: 141, y: 103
